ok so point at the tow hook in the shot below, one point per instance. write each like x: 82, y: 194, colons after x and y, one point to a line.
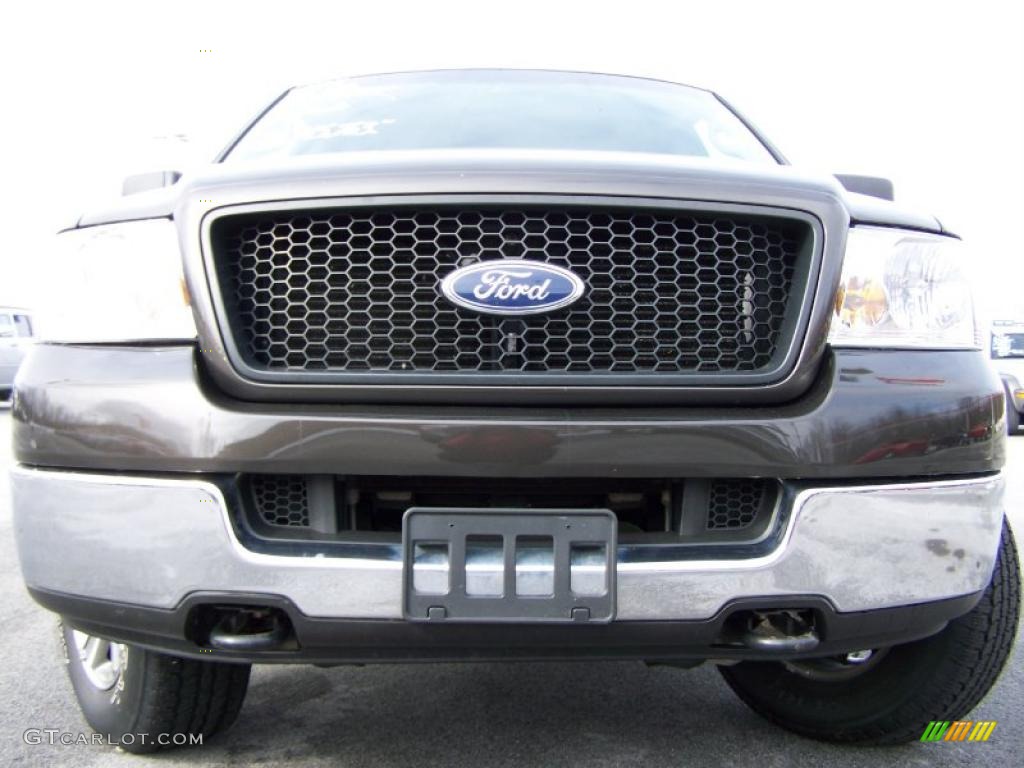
x: 250, y: 629
x: 782, y: 631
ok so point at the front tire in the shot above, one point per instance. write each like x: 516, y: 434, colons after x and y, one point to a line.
x: 146, y: 701
x: 891, y: 698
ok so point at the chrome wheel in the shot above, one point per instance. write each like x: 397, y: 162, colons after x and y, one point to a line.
x: 102, y: 660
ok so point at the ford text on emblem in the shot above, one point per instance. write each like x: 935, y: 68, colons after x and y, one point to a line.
x: 512, y: 287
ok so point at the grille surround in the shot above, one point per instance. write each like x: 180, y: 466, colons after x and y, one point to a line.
x: 806, y: 269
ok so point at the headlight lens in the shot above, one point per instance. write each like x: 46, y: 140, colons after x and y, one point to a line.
x: 903, y: 289
x: 117, y: 282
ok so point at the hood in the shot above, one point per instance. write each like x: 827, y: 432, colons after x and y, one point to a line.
x: 506, y: 172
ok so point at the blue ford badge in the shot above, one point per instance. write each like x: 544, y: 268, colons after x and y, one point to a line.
x: 512, y: 287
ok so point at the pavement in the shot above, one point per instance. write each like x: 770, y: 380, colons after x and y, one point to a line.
x: 516, y: 714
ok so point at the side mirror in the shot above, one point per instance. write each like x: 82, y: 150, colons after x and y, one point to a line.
x: 875, y: 186
x: 144, y: 182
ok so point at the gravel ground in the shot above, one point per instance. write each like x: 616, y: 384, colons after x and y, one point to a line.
x: 552, y: 714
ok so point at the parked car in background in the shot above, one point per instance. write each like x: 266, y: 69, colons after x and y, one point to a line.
x: 15, y: 336
x: 1008, y: 356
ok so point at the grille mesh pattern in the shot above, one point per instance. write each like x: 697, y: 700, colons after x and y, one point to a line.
x: 281, y: 499
x: 356, y: 290
x: 734, y: 503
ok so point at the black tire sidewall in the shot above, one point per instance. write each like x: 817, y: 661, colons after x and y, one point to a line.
x: 941, y: 677
x: 825, y: 706
x: 113, y: 712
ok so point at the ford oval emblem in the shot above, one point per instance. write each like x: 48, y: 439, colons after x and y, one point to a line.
x: 512, y: 287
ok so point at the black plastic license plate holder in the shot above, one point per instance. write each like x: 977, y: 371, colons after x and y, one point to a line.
x: 509, y: 565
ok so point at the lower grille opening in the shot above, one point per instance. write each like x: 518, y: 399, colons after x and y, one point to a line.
x: 281, y: 499
x: 336, y: 508
x: 734, y: 504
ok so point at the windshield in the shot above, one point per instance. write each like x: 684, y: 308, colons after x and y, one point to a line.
x: 500, y: 109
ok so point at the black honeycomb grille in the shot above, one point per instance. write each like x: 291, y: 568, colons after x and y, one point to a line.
x: 357, y: 290
x: 281, y: 499
x: 735, y: 504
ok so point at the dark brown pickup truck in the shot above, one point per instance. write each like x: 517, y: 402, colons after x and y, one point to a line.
x: 494, y: 364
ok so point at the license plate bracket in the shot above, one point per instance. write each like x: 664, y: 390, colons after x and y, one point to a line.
x: 509, y: 565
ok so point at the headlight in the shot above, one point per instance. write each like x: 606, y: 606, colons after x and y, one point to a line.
x: 117, y: 282
x: 903, y: 289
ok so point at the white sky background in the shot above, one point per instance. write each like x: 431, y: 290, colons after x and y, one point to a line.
x: 930, y: 94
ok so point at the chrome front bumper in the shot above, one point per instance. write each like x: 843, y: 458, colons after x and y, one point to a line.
x: 152, y: 542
